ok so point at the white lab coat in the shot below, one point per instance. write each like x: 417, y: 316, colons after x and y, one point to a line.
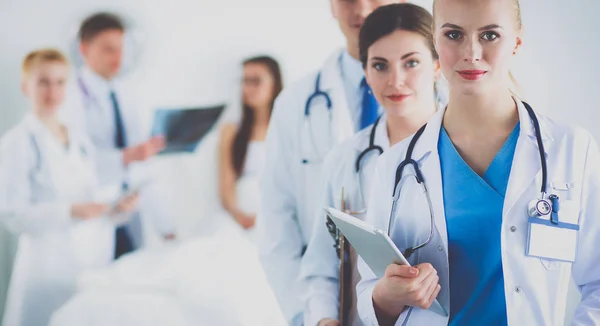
x: 89, y: 108
x: 536, y: 289
x: 289, y: 198
x: 41, y: 179
x: 320, y: 263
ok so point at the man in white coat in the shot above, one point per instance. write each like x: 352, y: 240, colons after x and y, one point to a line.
x: 100, y: 104
x: 309, y: 117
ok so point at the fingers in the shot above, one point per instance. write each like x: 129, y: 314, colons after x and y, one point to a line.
x: 128, y: 204
x: 95, y: 210
x: 405, y: 271
x: 132, y: 200
x: 425, y: 271
x: 435, y: 293
x: 159, y: 140
x: 429, y: 287
x: 414, y: 290
x: 157, y: 143
x: 248, y: 224
x: 328, y: 322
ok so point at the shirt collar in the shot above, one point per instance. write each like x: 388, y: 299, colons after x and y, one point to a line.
x: 95, y: 84
x: 353, y: 70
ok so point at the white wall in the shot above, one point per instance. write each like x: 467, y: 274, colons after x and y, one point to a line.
x: 193, y: 48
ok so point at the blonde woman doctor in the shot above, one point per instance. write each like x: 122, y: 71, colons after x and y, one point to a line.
x: 513, y: 195
x: 401, y: 67
x: 49, y: 184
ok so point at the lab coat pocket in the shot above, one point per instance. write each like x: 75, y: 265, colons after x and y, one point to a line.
x: 553, y: 265
x: 312, y: 181
x: 568, y: 213
x: 563, y: 189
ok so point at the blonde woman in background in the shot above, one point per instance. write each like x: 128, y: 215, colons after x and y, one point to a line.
x: 49, y: 186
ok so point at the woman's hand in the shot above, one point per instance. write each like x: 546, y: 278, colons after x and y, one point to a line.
x: 404, y: 286
x: 85, y: 211
x: 127, y: 205
x: 328, y: 322
x: 245, y: 220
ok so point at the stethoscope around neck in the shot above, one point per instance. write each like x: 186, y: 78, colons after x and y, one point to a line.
x: 372, y: 147
x: 87, y: 94
x: 317, y: 93
x: 541, y: 207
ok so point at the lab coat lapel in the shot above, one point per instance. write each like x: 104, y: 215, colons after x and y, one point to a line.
x: 426, y: 155
x: 526, y: 166
x: 332, y: 84
x: 46, y: 167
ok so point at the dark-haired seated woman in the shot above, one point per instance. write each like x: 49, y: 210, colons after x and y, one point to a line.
x: 242, y: 145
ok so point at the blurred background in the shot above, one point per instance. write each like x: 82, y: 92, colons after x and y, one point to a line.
x: 185, y: 53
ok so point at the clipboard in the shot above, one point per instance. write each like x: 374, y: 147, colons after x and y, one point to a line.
x: 373, y: 245
x: 184, y: 128
x: 345, y: 273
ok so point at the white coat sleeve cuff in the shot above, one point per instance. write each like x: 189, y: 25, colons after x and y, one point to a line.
x: 367, y: 315
x: 322, y: 302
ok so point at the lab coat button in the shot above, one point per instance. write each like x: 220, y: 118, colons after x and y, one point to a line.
x: 513, y: 228
x: 441, y: 248
x: 518, y: 289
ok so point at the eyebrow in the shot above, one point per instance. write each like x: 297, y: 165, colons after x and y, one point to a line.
x: 491, y: 26
x: 402, y: 58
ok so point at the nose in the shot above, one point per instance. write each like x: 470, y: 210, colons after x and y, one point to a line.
x: 364, y: 8
x: 397, y: 77
x: 472, y: 51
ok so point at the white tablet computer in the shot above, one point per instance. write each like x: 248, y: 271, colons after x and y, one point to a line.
x: 373, y: 245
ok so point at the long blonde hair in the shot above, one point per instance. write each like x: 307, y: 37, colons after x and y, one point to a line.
x: 515, y: 89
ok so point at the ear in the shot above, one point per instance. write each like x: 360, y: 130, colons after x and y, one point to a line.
x: 519, y: 41
x: 437, y: 69
x: 83, y: 48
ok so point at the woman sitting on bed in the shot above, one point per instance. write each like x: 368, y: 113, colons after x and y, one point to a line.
x: 242, y: 146
x: 215, y: 279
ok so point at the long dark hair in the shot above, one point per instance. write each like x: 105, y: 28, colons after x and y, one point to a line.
x: 242, y: 137
x: 385, y: 20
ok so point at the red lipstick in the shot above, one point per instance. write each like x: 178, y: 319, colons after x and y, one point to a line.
x: 471, y: 74
x: 397, y: 97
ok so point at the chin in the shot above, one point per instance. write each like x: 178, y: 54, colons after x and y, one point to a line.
x: 112, y: 73
x: 469, y: 89
x: 397, y: 109
x: 50, y: 109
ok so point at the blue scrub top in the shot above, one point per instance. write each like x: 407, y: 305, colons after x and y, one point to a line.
x: 473, y: 208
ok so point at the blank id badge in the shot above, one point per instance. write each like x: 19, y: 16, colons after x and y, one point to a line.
x: 554, y: 240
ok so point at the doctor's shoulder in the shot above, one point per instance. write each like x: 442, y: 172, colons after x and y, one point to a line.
x: 16, y: 142
x: 575, y: 137
x: 292, y: 98
x: 343, y: 155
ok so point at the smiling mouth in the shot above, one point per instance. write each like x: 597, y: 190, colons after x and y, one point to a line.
x: 471, y: 74
x: 397, y: 97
